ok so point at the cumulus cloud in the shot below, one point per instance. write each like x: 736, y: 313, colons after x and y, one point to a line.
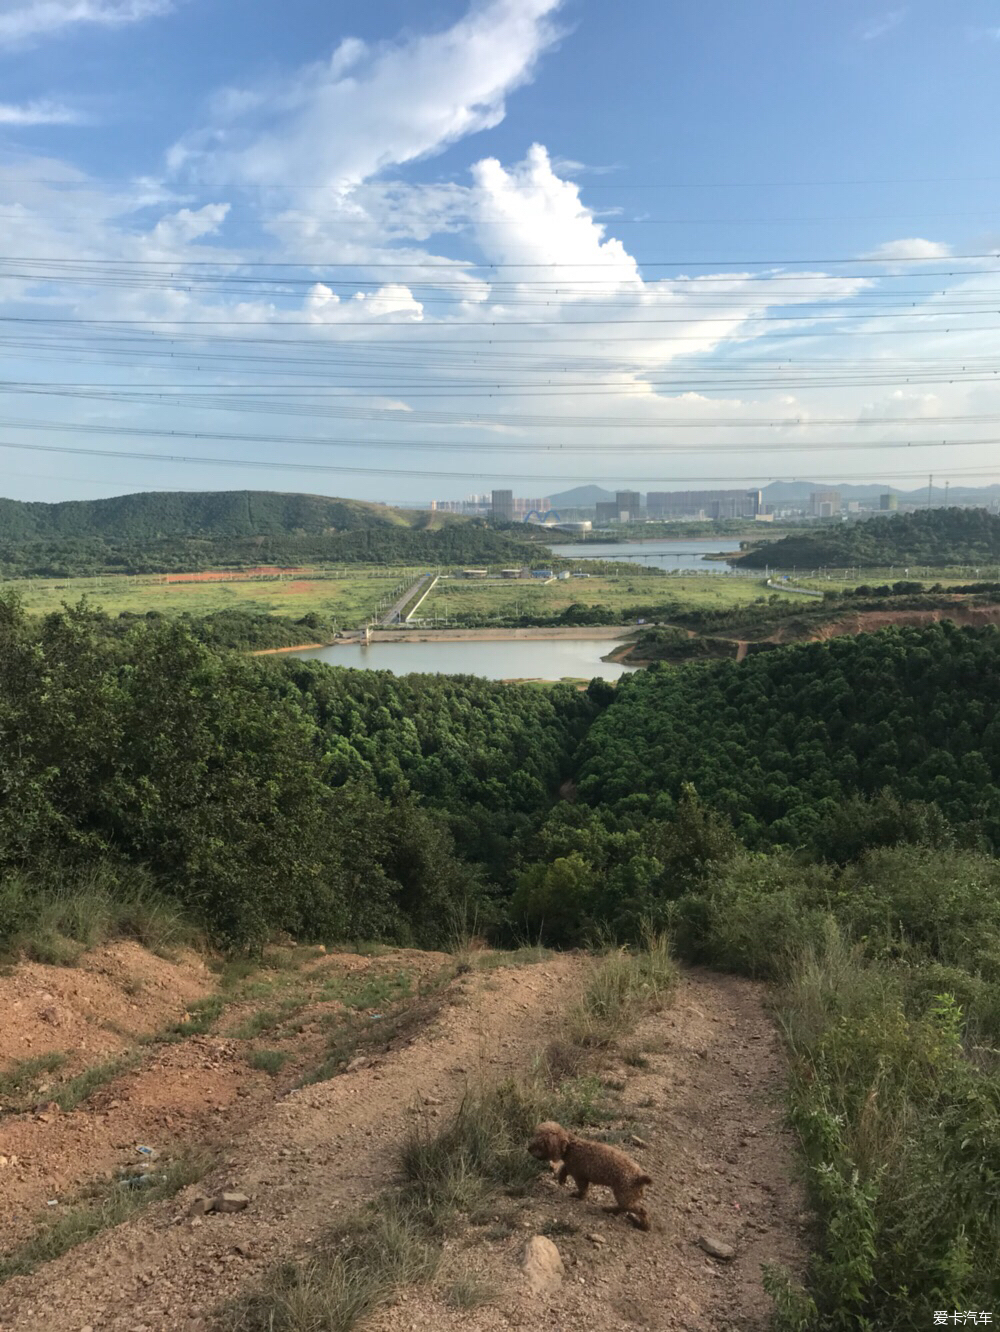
x: 38, y: 113
x: 529, y: 215
x: 21, y: 22
x: 369, y: 107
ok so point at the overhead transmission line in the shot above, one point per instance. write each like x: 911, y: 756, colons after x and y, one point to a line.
x: 284, y: 465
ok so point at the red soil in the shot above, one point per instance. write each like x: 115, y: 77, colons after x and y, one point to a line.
x: 228, y: 575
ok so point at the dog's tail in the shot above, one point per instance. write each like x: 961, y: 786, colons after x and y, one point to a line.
x: 643, y: 1180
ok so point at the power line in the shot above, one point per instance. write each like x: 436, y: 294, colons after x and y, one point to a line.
x: 463, y: 265
x: 452, y: 475
x: 462, y: 446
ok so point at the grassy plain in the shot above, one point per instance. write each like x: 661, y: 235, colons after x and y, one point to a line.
x: 349, y: 598
x: 453, y: 597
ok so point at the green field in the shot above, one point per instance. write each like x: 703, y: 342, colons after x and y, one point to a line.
x: 457, y: 597
x: 837, y: 580
x: 350, y: 598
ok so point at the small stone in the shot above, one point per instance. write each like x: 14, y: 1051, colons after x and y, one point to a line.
x: 637, y: 1141
x: 358, y: 1062
x: 200, y: 1206
x: 542, y: 1266
x: 242, y: 1249
x: 197, y: 1221
x: 597, y: 1239
x: 230, y: 1202
x: 716, y: 1248
x: 46, y: 1111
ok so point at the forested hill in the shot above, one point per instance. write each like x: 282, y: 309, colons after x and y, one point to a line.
x: 930, y: 536
x: 150, y: 516
x: 778, y: 743
x: 70, y: 557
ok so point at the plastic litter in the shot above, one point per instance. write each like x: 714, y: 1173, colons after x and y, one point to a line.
x: 146, y: 1151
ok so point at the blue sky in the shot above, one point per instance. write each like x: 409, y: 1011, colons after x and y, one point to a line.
x: 403, y: 250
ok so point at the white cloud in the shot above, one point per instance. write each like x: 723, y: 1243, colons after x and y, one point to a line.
x: 180, y: 228
x: 528, y: 215
x: 912, y: 248
x: 370, y: 107
x: 39, y: 18
x: 884, y: 23
x: 38, y: 113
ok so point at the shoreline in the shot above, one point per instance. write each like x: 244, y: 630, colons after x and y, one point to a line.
x: 297, y: 647
x: 552, y: 633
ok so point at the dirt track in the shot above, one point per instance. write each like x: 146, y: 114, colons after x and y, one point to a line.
x: 706, y: 1103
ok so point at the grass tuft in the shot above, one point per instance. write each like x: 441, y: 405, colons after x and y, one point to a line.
x: 56, y: 924
x: 625, y: 985
x: 360, y: 1269
x: 269, y: 1061
x: 21, y: 1083
x: 107, y: 1203
x: 78, y: 1089
x: 469, y: 1293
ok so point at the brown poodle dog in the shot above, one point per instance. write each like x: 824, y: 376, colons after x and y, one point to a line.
x: 594, y: 1163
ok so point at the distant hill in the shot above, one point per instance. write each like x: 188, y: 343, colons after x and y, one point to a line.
x: 581, y: 497
x: 151, y: 516
x: 797, y: 492
x: 928, y: 536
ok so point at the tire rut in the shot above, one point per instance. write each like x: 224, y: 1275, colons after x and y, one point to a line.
x: 323, y: 1150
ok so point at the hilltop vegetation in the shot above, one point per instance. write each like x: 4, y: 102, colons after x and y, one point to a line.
x: 182, y: 533
x: 261, y: 796
x: 84, y: 557
x: 927, y: 537
x: 151, y: 516
x: 838, y: 843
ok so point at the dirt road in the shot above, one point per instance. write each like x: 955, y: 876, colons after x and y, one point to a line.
x: 700, y: 1090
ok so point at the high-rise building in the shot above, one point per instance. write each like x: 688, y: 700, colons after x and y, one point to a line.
x: 703, y: 504
x: 628, y: 504
x: 888, y: 502
x: 824, y: 503
x: 606, y: 512
x: 502, y: 508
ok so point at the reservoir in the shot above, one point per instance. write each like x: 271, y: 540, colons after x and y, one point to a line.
x: 536, y: 659
x: 666, y: 554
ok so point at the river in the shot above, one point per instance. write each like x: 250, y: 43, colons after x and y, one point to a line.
x: 538, y: 659
x: 667, y: 554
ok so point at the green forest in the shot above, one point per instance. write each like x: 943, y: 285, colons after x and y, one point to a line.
x: 822, y: 816
x: 926, y: 537
x: 82, y: 557
x: 151, y: 515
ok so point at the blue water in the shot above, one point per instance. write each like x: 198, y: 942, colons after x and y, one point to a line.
x: 663, y: 554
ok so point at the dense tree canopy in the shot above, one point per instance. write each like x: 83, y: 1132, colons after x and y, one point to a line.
x: 779, y: 741
x: 271, y: 795
x: 151, y: 515
x: 82, y: 556
x: 928, y: 536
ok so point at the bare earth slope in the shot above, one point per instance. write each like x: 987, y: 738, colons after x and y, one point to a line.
x: 707, y: 1104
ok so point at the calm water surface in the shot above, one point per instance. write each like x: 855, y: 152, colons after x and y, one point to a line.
x: 520, y: 659
x: 666, y: 554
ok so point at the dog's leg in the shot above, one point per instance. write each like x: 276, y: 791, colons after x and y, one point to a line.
x: 582, y: 1185
x: 563, y: 1174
